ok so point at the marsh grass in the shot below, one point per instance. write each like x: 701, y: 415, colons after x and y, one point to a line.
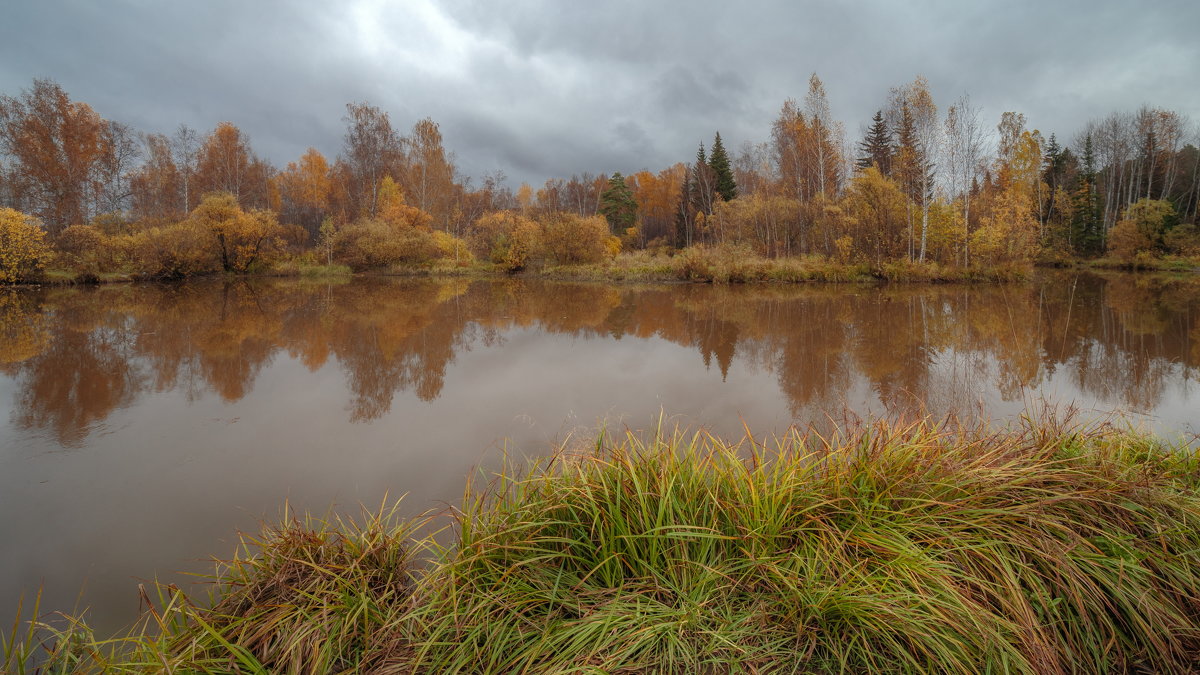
x: 893, y: 548
x: 882, y: 547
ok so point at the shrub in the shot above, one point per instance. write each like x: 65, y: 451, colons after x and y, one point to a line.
x: 375, y: 243
x: 23, y: 248
x: 85, y: 250
x: 1126, y: 240
x: 571, y: 239
x: 1183, y: 240
x: 180, y: 250
x: 242, y: 239
x: 505, y: 238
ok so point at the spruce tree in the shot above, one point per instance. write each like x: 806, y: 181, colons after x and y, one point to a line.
x: 719, y: 163
x: 876, y: 146
x: 1085, y: 212
x: 618, y: 205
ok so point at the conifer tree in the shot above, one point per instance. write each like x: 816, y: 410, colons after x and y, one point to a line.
x: 876, y: 146
x: 1085, y: 221
x: 618, y: 205
x: 719, y: 163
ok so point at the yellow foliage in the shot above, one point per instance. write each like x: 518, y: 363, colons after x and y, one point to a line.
x: 569, y: 238
x: 23, y: 247
x: 375, y: 243
x: 505, y: 238
x: 85, y: 249
x: 242, y: 239
x: 844, y: 246
x: 179, y: 250
x: 1008, y: 231
x: 451, y: 247
x: 1126, y: 240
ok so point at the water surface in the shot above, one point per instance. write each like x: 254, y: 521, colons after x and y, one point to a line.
x: 142, y: 425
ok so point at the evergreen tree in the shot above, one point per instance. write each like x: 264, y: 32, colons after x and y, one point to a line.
x: 719, y: 163
x: 618, y: 205
x: 1086, y: 232
x: 876, y: 146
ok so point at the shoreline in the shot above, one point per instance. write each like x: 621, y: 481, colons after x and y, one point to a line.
x: 664, y: 269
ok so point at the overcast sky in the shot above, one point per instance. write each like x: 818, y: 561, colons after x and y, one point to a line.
x: 541, y: 89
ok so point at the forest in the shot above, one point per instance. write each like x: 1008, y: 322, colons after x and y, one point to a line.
x: 83, y: 198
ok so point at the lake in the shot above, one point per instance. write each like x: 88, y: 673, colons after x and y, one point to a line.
x: 141, y: 425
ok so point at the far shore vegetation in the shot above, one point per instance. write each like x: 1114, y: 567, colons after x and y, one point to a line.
x: 925, y: 194
x: 1037, y: 547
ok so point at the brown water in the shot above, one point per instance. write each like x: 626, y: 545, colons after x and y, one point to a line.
x: 142, y: 425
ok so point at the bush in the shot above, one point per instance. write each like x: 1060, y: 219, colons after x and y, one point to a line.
x: 23, y: 248
x: 1183, y: 240
x: 86, y: 250
x: 375, y: 243
x: 505, y: 238
x: 180, y: 250
x: 1126, y: 240
x: 571, y: 239
x: 242, y: 238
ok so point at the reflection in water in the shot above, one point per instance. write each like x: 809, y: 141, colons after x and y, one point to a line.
x: 79, y: 354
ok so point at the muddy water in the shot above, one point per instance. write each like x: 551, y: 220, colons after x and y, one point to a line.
x: 142, y: 425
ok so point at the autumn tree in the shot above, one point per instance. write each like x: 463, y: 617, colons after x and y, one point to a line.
x: 157, y: 185
x: 919, y: 141
x: 657, y: 196
x: 371, y: 149
x: 305, y: 188
x: 429, y: 174
x: 618, y: 205
x: 964, y: 157
x: 823, y: 140
x: 57, y: 147
x: 718, y: 161
x: 226, y: 163
x: 878, y: 213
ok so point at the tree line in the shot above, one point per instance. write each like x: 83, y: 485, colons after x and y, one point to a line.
x: 921, y: 185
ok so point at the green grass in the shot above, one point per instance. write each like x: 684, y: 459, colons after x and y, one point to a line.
x: 888, y: 547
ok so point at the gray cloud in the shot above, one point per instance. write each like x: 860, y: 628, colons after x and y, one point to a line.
x: 541, y: 89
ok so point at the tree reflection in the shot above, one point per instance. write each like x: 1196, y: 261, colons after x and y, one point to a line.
x: 80, y: 354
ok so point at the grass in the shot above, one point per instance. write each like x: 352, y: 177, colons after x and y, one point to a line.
x: 731, y: 264
x: 887, y: 547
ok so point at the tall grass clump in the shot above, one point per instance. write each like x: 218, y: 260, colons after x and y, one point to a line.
x: 892, y: 548
x: 308, y: 595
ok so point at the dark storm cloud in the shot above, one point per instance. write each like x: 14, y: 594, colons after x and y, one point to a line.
x: 540, y: 89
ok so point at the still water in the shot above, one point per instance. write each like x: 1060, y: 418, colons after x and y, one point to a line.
x: 142, y: 425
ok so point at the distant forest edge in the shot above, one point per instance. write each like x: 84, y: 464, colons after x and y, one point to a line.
x: 82, y: 197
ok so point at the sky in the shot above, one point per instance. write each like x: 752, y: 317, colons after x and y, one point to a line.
x: 548, y: 89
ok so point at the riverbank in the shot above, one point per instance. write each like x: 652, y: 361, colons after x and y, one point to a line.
x: 918, y: 547
x: 696, y: 265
